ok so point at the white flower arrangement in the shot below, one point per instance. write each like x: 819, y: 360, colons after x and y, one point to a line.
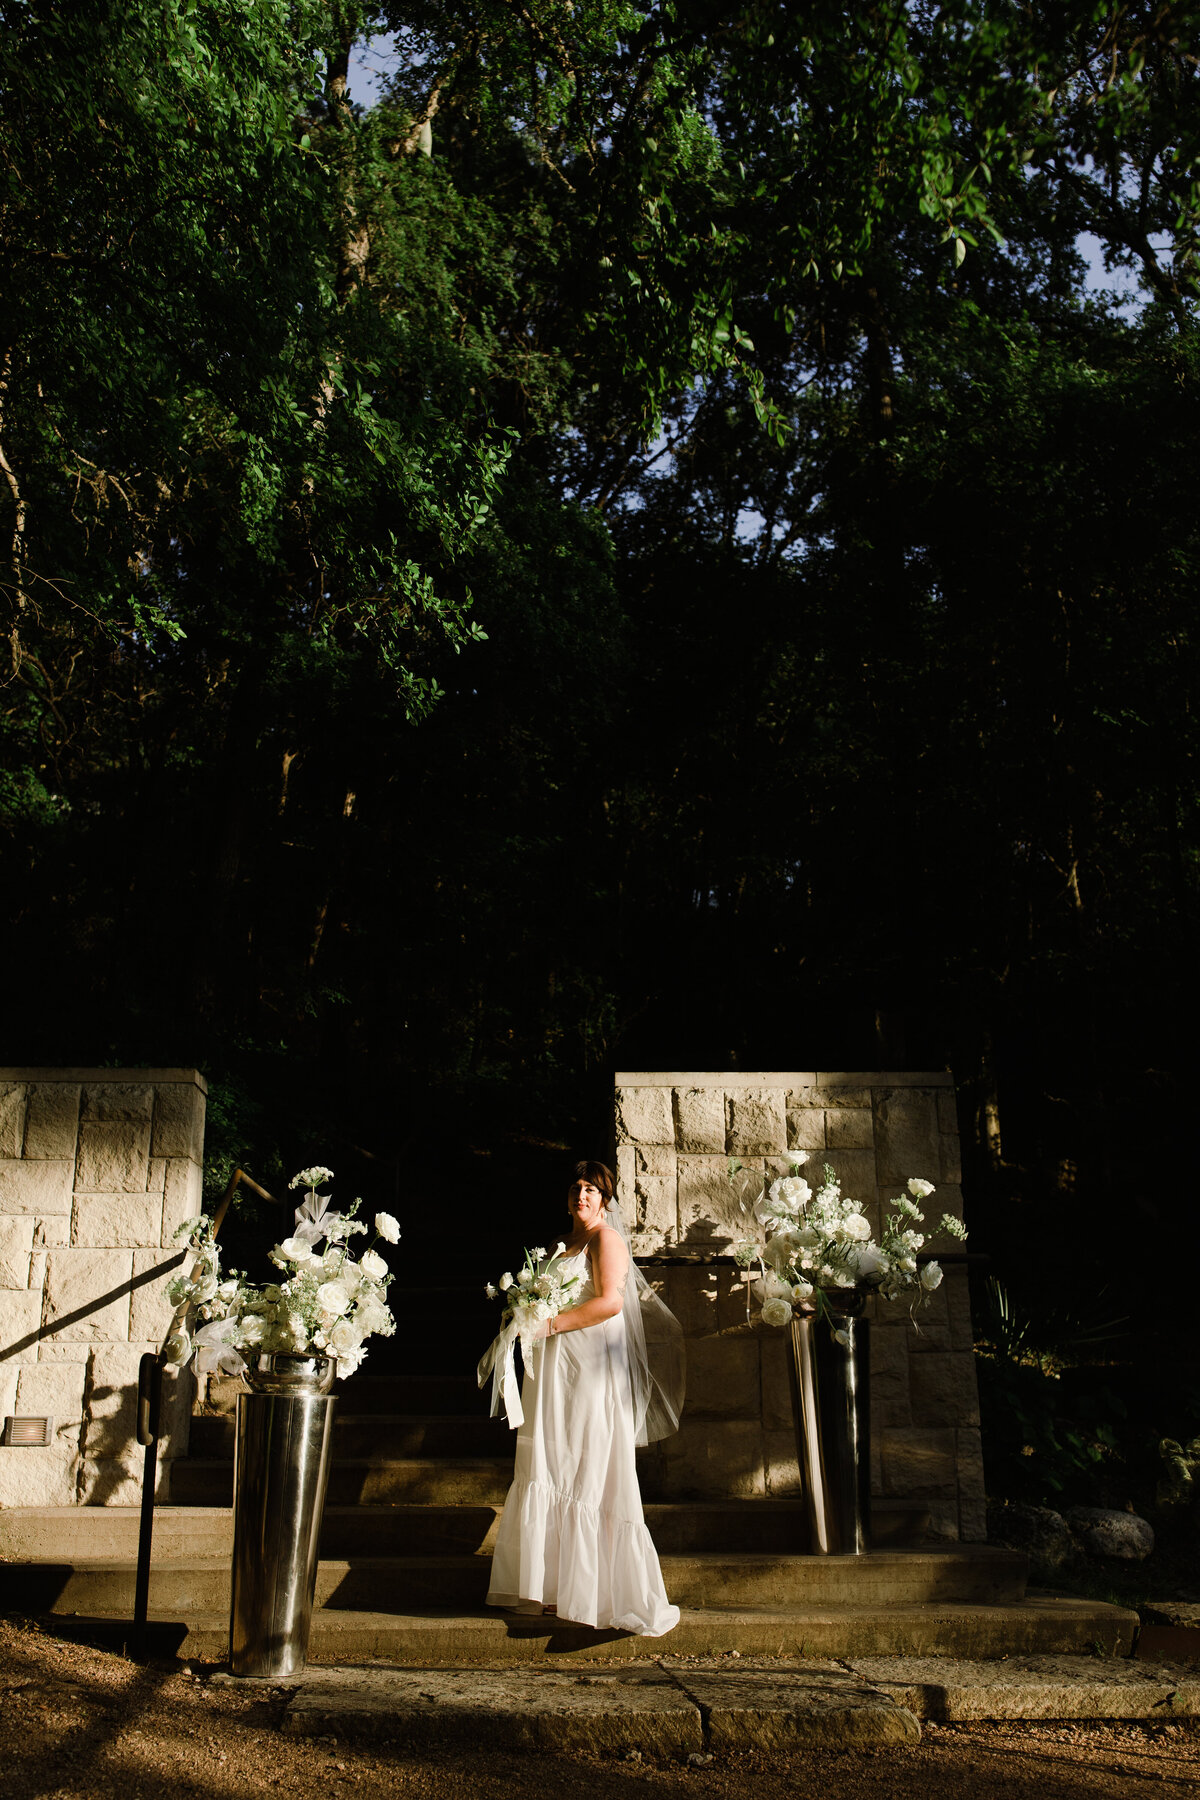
x: 326, y: 1304
x: 815, y: 1244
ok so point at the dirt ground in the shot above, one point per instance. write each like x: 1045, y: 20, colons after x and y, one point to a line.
x: 82, y: 1723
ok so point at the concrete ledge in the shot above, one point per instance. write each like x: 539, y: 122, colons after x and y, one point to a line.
x: 1036, y: 1687
x: 660, y: 1708
x: 147, y: 1076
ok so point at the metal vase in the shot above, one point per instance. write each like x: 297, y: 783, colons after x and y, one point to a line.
x: 831, y: 1408
x: 281, y: 1467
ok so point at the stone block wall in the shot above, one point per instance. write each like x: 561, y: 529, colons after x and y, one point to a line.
x: 97, y: 1169
x: 674, y: 1135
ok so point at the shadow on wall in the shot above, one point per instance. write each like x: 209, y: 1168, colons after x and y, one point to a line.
x: 83, y: 1312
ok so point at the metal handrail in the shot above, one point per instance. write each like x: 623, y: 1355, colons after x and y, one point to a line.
x: 149, y: 1418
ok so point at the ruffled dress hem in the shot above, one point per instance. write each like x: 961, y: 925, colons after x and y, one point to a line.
x: 592, y: 1566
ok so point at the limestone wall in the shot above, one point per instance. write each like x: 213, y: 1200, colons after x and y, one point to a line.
x: 674, y: 1134
x: 97, y: 1168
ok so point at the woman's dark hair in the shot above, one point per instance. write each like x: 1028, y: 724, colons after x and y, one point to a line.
x: 598, y: 1173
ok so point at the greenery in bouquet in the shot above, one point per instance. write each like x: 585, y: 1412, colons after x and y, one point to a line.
x: 325, y: 1304
x: 815, y: 1244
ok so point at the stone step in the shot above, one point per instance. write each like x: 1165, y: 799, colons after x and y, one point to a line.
x: 405, y: 1583
x: 390, y: 1435
x: 1040, y: 1625
x: 61, y: 1534
x: 371, y: 1481
x: 672, y: 1709
x: 100, y: 1533
x: 674, y: 1705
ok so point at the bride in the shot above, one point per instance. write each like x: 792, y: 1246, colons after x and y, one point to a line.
x: 608, y: 1374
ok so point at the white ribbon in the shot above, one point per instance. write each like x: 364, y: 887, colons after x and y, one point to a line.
x: 499, y: 1361
x: 314, y: 1218
x: 215, y: 1354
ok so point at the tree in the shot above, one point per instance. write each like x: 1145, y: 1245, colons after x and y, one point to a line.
x: 294, y: 411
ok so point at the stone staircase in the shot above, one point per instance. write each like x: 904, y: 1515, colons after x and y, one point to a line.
x: 415, y: 1494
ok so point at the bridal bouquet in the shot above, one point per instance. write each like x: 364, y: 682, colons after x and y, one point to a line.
x: 325, y: 1302
x: 539, y: 1292
x: 818, y: 1243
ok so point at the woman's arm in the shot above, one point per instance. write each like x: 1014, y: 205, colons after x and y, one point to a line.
x: 610, y: 1266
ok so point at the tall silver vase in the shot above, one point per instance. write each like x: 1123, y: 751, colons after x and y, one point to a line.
x: 281, y: 1467
x: 831, y: 1408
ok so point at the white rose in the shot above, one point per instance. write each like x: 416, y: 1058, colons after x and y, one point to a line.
x: 334, y: 1297
x: 855, y: 1226
x: 777, y: 1311
x: 296, y: 1250
x: 252, y: 1329
x: 177, y: 1349
x: 373, y: 1265
x: 387, y: 1227
x: 920, y: 1190
x: 931, y: 1276
x: 205, y: 1288
x: 345, y: 1338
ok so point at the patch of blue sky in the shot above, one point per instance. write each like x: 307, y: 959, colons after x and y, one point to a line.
x: 372, y: 63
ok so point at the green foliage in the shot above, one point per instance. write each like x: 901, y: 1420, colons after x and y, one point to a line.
x: 717, y: 427
x: 1043, y: 1445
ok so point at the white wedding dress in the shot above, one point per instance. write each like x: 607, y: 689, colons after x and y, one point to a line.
x: 572, y: 1535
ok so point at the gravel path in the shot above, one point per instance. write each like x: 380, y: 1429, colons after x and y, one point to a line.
x: 78, y: 1723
